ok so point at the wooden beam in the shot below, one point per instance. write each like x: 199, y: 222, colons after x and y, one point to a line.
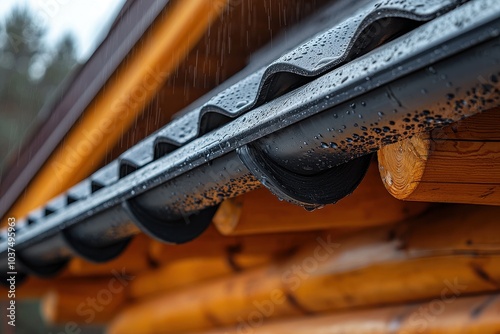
x: 446, y: 315
x: 187, y: 272
x: 261, y: 212
x: 456, y: 164
x: 91, y: 302
x: 225, y: 301
x: 213, y: 255
x: 234, y: 249
x: 456, y: 249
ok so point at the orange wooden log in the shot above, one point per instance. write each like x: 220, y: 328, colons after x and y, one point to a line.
x: 226, y: 301
x: 475, y: 315
x: 457, y: 164
x: 213, y: 244
x: 186, y: 272
x: 261, y: 212
x: 91, y: 302
x: 35, y: 288
x: 134, y: 259
x: 213, y: 255
x: 390, y: 265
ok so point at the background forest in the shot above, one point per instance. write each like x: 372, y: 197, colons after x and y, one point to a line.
x: 30, y: 72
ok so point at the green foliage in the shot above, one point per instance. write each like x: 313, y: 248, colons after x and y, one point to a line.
x: 30, y: 72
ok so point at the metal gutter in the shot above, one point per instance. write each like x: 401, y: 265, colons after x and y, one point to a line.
x: 310, y: 146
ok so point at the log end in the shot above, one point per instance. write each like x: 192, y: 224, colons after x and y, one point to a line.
x: 402, y: 165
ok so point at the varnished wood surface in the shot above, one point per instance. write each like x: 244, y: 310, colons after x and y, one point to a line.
x: 383, y: 266
x: 457, y: 164
x: 444, y: 315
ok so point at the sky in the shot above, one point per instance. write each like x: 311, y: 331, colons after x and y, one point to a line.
x: 85, y: 19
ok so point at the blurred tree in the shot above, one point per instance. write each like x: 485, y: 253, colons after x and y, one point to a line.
x: 29, y: 74
x: 63, y: 60
x: 20, y: 46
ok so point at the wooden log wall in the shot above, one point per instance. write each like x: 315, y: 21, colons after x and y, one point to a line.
x: 452, y: 249
x: 456, y: 164
x: 479, y: 315
x: 406, y: 263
